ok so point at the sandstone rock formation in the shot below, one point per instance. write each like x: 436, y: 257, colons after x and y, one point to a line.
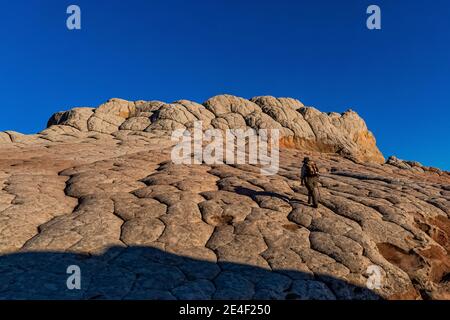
x: 412, y: 165
x: 301, y: 127
x: 98, y: 189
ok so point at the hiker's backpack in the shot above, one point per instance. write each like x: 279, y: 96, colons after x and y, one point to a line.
x: 311, y: 169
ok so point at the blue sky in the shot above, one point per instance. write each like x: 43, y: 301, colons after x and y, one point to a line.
x: 396, y: 78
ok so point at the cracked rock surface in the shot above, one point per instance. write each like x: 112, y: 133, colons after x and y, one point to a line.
x: 98, y: 189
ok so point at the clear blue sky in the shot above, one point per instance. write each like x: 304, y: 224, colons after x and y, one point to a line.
x: 397, y: 79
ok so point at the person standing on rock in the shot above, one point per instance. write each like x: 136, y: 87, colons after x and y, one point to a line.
x: 310, y: 179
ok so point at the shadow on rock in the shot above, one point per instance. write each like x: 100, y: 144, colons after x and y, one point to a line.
x: 253, y: 193
x: 149, y: 273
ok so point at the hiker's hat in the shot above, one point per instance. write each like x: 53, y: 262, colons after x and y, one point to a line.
x: 306, y: 159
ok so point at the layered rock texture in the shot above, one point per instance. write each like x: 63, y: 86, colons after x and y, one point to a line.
x: 300, y: 127
x: 98, y: 189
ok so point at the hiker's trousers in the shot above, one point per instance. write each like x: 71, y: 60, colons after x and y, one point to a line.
x: 312, y: 184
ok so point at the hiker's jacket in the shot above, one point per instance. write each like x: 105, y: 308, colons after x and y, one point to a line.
x: 303, y: 174
x: 309, y: 170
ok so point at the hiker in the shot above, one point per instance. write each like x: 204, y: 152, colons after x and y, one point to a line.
x: 310, y: 179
